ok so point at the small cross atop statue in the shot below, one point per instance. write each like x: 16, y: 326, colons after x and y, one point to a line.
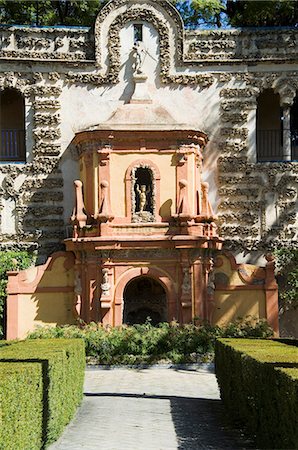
x: 143, y: 192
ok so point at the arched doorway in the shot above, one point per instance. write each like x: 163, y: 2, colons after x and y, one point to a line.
x: 144, y: 298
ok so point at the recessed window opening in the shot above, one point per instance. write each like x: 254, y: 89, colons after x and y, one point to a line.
x: 138, y: 32
x: 12, y: 126
x: 269, y: 127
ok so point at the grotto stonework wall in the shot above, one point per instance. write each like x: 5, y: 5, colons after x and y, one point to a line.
x: 73, y: 78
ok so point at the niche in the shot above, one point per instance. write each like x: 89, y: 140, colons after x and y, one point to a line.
x: 143, y: 195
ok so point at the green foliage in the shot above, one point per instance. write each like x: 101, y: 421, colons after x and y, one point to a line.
x: 200, y: 12
x: 287, y: 277
x: 61, y: 377
x: 50, y: 12
x: 256, y: 389
x: 247, y: 13
x: 10, y: 260
x: 239, y: 13
x: 21, y: 411
x: 148, y: 344
x: 84, y: 12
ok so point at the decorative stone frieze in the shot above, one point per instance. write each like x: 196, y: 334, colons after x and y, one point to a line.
x: 45, y: 90
x: 47, y: 134
x: 45, y: 43
x: 43, y: 196
x: 233, y: 93
x: 17, y: 80
x: 41, y: 119
x: 45, y: 161
x: 45, y: 149
x: 46, y: 104
x: 241, y: 45
x: 237, y: 118
x: 43, y: 211
x: 243, y: 186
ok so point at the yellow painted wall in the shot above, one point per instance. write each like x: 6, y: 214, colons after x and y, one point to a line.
x: 58, y: 276
x: 119, y: 164
x: 231, y: 305
x: 44, y: 309
x: 233, y: 276
x: 42, y: 306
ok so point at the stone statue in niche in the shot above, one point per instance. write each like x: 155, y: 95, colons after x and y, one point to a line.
x: 105, y: 285
x: 143, y: 192
x: 143, y: 199
x: 186, y: 284
x: 78, y: 294
x: 138, y: 57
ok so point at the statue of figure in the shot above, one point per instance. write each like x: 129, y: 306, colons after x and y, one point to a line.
x: 143, y: 192
x: 138, y: 55
x: 78, y: 294
x: 105, y: 285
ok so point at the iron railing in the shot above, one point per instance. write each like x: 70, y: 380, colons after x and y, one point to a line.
x: 12, y: 145
x: 270, y: 145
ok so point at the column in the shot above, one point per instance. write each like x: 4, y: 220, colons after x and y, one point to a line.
x: 287, y: 150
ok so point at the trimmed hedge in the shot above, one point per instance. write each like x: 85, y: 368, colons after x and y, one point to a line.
x: 62, y: 363
x: 21, y: 406
x: 257, y: 378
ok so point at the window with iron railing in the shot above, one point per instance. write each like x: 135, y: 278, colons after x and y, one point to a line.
x: 276, y: 128
x: 12, y: 126
x: 270, y: 144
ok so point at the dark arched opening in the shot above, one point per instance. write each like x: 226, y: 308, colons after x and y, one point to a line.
x: 144, y: 298
x: 12, y: 126
x: 269, y: 129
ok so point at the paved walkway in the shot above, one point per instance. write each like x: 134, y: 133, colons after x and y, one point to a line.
x: 158, y: 409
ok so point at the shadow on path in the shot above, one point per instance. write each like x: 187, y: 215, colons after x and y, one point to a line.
x: 199, y: 423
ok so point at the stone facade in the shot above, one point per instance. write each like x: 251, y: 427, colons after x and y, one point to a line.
x: 71, y: 78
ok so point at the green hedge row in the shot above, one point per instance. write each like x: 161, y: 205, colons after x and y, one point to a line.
x: 41, y: 387
x: 21, y: 405
x: 258, y: 382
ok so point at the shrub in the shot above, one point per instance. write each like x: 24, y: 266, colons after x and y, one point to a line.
x: 287, y: 277
x: 147, y: 344
x: 21, y: 405
x: 251, y: 386
x: 63, y: 363
x: 11, y: 260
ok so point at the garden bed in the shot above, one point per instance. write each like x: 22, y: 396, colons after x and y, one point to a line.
x: 167, y: 343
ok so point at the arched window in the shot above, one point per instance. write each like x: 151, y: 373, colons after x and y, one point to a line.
x: 269, y: 127
x: 12, y: 126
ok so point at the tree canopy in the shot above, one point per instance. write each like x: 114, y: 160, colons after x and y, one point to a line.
x: 244, y: 13
x: 201, y: 12
x: 211, y: 13
x: 50, y: 12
